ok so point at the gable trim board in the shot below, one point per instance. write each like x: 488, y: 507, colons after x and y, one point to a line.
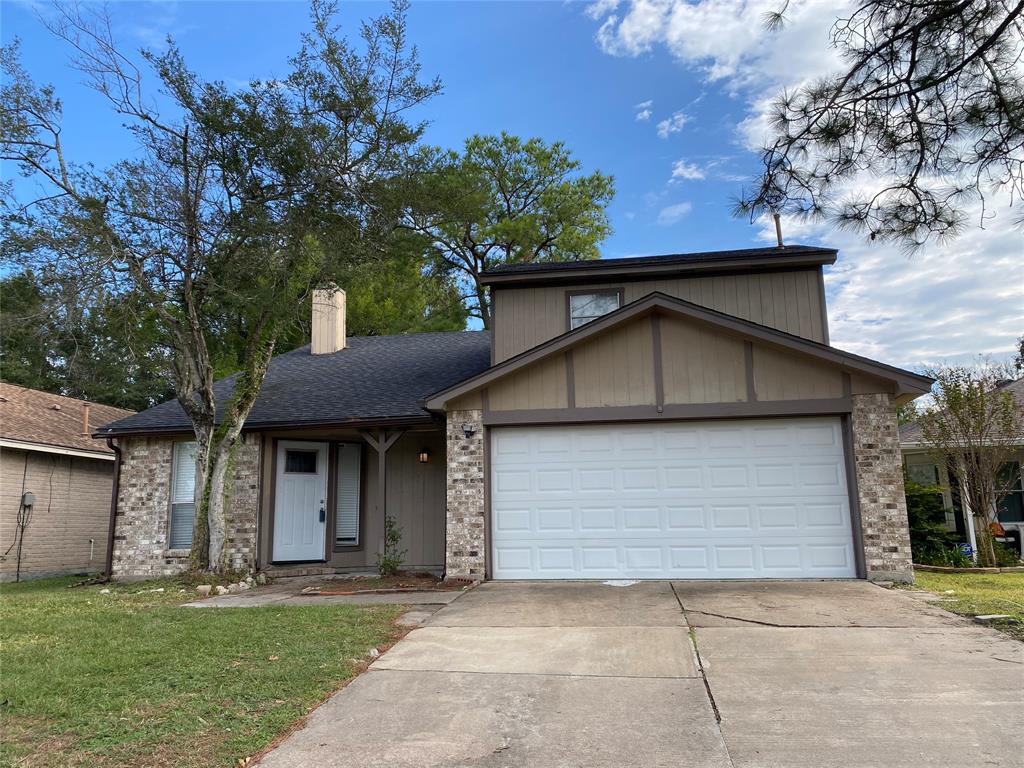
x: 903, y: 382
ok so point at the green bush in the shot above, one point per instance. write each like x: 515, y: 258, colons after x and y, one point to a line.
x: 930, y: 541
x: 1006, y: 555
x: 389, y: 562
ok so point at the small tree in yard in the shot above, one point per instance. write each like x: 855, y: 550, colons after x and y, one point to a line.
x: 236, y: 205
x: 974, y: 428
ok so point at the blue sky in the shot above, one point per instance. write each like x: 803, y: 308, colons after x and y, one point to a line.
x: 666, y: 96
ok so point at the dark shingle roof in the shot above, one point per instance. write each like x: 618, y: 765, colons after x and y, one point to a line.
x: 33, y: 416
x: 765, y: 256
x: 911, y: 434
x: 374, y: 378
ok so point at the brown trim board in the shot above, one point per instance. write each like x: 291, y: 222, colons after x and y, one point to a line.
x: 738, y: 410
x: 854, y: 496
x: 659, y: 368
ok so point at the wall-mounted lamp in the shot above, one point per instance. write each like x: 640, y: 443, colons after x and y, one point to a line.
x: 468, y: 429
x: 424, y: 456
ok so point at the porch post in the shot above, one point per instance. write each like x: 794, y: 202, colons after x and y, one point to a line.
x: 381, y: 442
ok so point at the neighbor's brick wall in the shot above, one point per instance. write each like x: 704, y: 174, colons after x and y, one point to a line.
x: 68, y: 528
x: 465, y: 546
x: 883, y: 508
x: 143, y: 512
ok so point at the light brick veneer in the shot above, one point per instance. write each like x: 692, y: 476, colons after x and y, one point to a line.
x: 143, y: 510
x: 465, y: 544
x: 883, y: 509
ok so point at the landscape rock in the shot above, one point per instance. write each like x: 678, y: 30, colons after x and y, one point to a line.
x: 204, y: 589
x: 221, y: 590
x: 234, y: 589
x: 374, y: 653
x: 104, y: 591
x: 261, y: 578
x: 244, y: 585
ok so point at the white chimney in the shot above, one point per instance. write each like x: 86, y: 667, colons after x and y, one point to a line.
x: 328, y: 320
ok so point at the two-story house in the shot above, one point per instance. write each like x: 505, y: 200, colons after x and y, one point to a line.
x: 674, y: 417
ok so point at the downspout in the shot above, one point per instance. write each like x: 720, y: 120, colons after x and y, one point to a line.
x: 114, y: 492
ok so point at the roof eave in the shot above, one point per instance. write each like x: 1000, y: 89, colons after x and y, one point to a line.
x: 266, y: 426
x: 596, y: 270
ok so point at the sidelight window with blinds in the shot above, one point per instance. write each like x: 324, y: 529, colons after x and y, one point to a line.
x: 183, y: 496
x: 349, y: 471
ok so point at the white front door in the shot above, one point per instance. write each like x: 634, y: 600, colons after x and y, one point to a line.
x: 764, y: 498
x: 300, y: 503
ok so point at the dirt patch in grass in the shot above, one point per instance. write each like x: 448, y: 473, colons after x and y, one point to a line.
x: 410, y: 582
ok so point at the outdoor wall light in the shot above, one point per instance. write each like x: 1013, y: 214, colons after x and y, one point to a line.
x: 424, y: 456
x: 468, y: 429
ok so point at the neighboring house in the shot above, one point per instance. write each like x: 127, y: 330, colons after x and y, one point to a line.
x: 923, y: 469
x: 47, y: 451
x: 665, y: 417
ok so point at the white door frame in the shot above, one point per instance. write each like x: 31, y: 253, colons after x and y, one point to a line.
x: 310, y: 524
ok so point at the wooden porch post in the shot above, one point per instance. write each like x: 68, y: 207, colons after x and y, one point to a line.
x: 381, y: 442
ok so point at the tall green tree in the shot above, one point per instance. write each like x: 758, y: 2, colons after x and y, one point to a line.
x: 230, y: 208
x: 93, y: 346
x: 503, y: 200
x: 925, y: 117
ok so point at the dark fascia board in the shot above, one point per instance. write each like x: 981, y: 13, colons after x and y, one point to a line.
x: 906, y: 381
x: 614, y: 269
x: 266, y: 426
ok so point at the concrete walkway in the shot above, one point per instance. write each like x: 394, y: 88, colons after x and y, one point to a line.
x: 794, y: 674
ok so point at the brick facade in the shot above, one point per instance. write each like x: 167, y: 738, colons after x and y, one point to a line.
x: 143, y: 510
x: 465, y: 545
x: 67, y: 531
x: 879, y: 475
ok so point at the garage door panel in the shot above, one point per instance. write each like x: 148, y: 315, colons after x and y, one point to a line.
x: 741, y: 499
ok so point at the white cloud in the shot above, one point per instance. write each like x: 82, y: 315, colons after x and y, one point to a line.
x: 643, y: 110
x: 671, y: 214
x: 947, y: 303
x: 672, y: 124
x: 687, y: 171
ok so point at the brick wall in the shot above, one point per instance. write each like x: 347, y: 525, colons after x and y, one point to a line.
x: 883, y: 509
x: 67, y: 531
x: 140, y: 541
x: 465, y: 545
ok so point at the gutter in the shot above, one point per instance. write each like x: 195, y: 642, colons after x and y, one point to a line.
x: 114, y: 492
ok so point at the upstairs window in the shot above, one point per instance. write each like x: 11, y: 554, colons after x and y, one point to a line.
x: 183, y: 496
x: 584, y: 307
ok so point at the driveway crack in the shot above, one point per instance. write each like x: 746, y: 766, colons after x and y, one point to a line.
x: 692, y: 634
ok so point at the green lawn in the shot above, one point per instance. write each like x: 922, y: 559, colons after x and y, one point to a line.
x: 975, y: 594
x: 129, y: 679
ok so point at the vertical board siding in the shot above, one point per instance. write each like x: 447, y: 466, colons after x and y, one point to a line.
x: 789, y: 301
x: 700, y: 365
x: 616, y: 368
x: 539, y: 386
x: 782, y: 376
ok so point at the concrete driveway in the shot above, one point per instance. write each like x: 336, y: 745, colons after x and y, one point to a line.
x: 709, y: 674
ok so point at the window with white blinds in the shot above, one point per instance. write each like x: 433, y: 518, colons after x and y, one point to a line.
x: 183, y: 496
x: 346, y: 527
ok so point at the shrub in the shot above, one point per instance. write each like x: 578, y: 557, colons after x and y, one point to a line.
x: 930, y: 541
x: 389, y: 562
x: 1006, y: 555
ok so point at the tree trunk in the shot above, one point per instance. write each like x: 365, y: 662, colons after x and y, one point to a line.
x: 217, y: 508
x: 986, y: 545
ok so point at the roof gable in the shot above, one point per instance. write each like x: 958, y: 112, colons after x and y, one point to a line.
x: 903, y: 382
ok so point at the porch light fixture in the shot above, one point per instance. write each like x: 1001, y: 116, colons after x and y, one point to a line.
x: 425, y: 456
x: 468, y: 430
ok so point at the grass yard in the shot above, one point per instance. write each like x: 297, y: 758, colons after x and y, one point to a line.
x: 132, y: 679
x: 976, y: 594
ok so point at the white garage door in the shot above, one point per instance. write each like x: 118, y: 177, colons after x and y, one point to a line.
x: 693, y: 500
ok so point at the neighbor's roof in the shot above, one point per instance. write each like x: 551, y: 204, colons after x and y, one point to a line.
x: 32, y: 419
x: 910, y: 434
x: 744, y: 259
x: 374, y: 379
